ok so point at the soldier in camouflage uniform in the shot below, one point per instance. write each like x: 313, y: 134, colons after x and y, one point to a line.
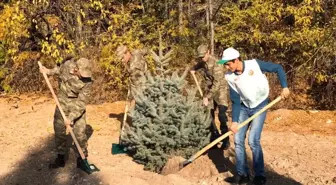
x: 74, y: 92
x: 134, y: 62
x: 215, y: 89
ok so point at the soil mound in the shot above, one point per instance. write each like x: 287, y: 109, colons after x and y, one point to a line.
x: 172, y: 165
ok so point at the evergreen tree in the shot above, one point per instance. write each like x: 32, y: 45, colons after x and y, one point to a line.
x: 167, y: 120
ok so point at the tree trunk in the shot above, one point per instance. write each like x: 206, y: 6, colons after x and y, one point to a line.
x: 212, y: 31
x: 180, y: 16
x: 189, y: 9
x: 207, y: 14
x: 161, y: 50
x: 143, y: 7
x: 166, y: 9
x: 79, y: 34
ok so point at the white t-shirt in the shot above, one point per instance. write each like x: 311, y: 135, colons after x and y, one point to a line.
x: 251, y: 85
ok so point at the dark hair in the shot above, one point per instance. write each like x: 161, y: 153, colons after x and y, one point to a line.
x: 239, y: 58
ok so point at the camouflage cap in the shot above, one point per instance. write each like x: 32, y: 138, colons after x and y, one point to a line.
x: 121, y: 50
x: 71, y: 65
x: 84, y: 67
x: 202, y: 50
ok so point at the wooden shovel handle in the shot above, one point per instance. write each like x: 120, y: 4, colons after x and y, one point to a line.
x: 62, y: 113
x: 125, y: 115
x: 197, y: 84
x: 127, y: 106
x: 195, y: 156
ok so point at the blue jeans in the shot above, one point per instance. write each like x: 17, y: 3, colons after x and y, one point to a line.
x: 256, y: 126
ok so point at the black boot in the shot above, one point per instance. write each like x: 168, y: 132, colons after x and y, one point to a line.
x: 58, y: 163
x: 237, y: 179
x: 259, y: 180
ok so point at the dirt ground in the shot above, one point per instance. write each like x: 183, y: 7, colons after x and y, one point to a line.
x: 299, y: 148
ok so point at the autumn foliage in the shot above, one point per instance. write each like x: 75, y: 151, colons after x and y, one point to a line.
x: 299, y: 34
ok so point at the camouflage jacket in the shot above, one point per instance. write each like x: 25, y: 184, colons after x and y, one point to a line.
x: 74, y: 93
x: 215, y: 86
x: 137, y: 65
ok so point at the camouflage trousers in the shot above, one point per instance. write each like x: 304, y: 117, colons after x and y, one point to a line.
x: 220, y: 98
x: 62, y: 140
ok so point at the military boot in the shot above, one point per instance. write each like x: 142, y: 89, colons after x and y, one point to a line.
x: 237, y: 179
x: 59, y: 162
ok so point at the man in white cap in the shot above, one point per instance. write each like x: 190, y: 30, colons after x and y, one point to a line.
x: 249, y: 90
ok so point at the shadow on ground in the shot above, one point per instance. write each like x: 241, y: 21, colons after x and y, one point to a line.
x: 119, y: 116
x: 33, y: 168
x: 223, y: 164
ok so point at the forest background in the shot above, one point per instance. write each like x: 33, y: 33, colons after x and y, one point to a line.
x: 298, y: 34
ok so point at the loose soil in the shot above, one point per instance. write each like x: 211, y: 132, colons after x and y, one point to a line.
x: 299, y: 148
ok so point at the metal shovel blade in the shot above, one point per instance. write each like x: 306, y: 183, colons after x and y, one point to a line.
x: 184, y: 164
x: 118, y: 149
x: 88, y: 168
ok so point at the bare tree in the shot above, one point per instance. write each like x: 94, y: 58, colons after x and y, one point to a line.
x: 212, y: 31
x: 180, y: 6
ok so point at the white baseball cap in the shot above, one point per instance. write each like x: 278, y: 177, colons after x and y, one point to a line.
x: 228, y: 54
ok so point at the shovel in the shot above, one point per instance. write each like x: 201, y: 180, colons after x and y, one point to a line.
x: 88, y: 168
x: 197, y: 84
x: 118, y: 148
x: 195, y: 156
